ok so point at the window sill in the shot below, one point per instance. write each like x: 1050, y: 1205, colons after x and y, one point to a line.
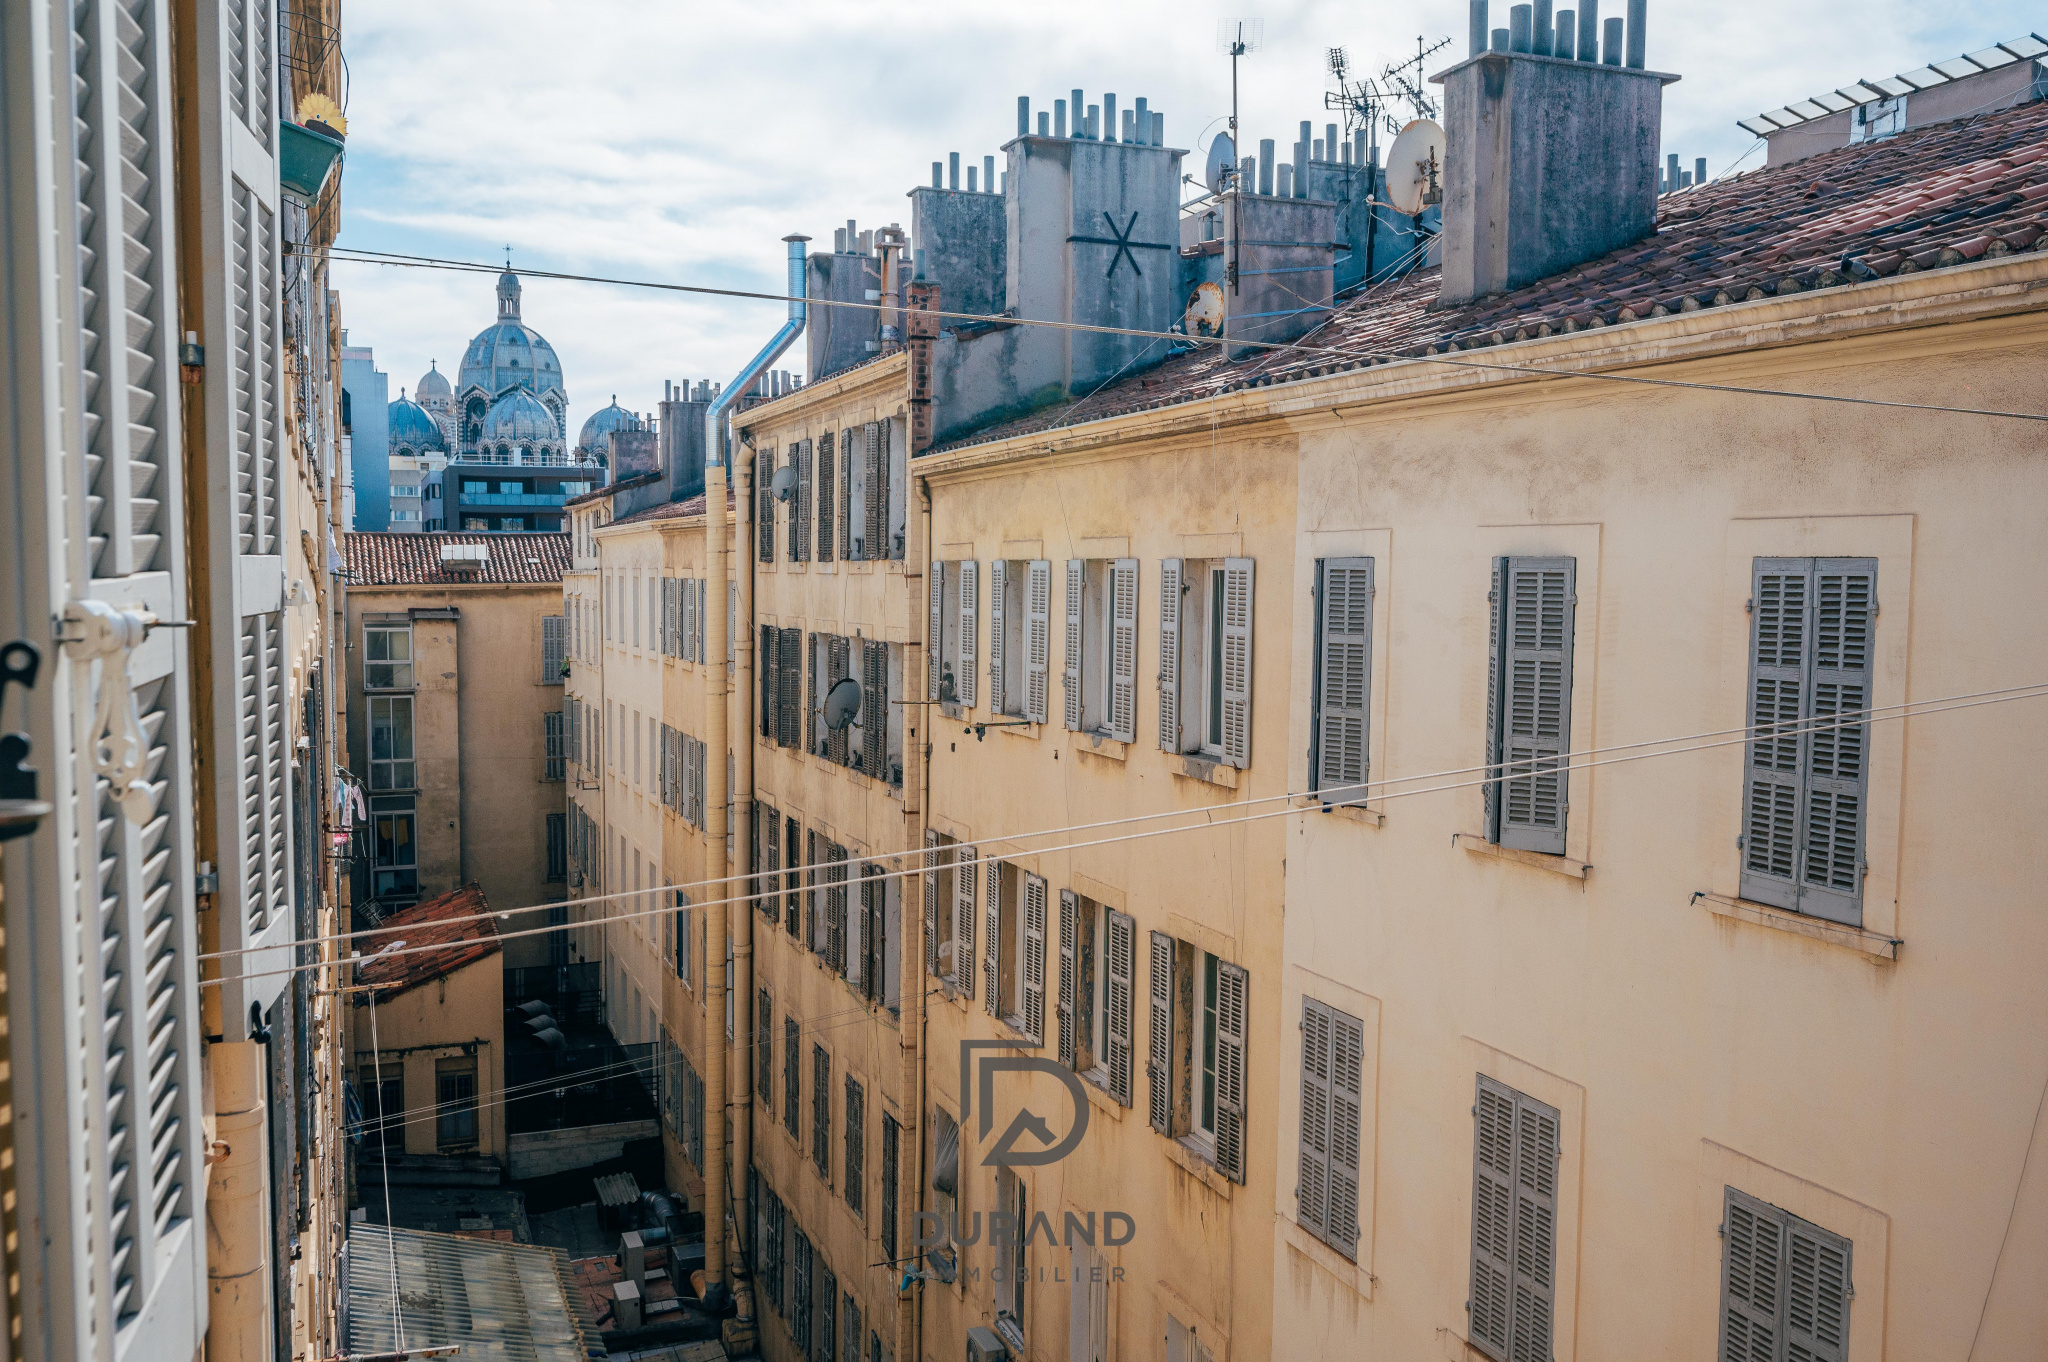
x: 1202, y: 1170
x: 1206, y: 771
x: 1101, y: 745
x: 1099, y: 1094
x: 1347, y: 1273
x: 1873, y: 944
x: 1477, y: 844
x: 1032, y: 731
x: 1356, y: 813
x: 1457, y: 1349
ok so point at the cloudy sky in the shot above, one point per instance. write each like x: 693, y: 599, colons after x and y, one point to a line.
x: 680, y: 142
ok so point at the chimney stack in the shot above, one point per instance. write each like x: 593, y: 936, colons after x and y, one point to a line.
x: 1549, y: 161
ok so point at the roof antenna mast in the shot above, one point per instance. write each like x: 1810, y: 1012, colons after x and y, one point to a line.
x: 1237, y: 38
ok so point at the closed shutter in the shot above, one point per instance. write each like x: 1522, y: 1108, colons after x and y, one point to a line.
x: 1817, y: 1292
x: 1844, y: 611
x: 839, y: 662
x: 789, y: 680
x: 1237, y: 662
x: 1170, y: 573
x: 1123, y: 650
x: 792, y: 1075
x: 875, y: 709
x: 803, y: 535
x: 1032, y: 971
x: 892, y: 1139
x: 827, y: 1339
x: 835, y: 907
x: 856, y: 1145
x: 1070, y: 930
x: 551, y: 649
x: 875, y: 526
x: 790, y: 461
x: 1312, y: 1187
x: 1038, y: 641
x: 935, y: 630
x: 874, y: 942
x: 998, y: 578
x: 243, y: 390
x: 1347, y: 1102
x: 800, y: 1294
x: 1752, y: 1279
x: 821, y: 1112
x: 970, y: 601
x: 1779, y: 652
x: 1070, y: 678
x: 1493, y: 1199
x: 846, y: 554
x: 1514, y: 1223
x: 1123, y: 973
x: 1233, y: 989
x: 771, y: 686
x: 814, y: 690
x: 1159, y: 1062
x: 1343, y: 679
x: 768, y: 876
x: 1535, y: 702
x: 764, y: 505
x: 667, y: 602
x: 700, y: 785
x: 1496, y: 605
x: 931, y: 902
x: 992, y: 942
x: 828, y: 527
x: 965, y: 906
x: 683, y: 607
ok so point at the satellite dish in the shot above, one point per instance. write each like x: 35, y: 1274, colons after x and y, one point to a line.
x: 1205, y: 311
x: 1222, y: 160
x: 784, y: 483
x: 1415, y: 168
x: 842, y: 703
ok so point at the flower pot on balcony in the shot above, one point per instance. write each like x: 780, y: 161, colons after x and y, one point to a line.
x: 305, y: 159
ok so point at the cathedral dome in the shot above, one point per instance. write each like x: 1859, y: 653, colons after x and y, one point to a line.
x: 603, y: 423
x: 413, y: 428
x: 433, y: 383
x: 508, y: 353
x: 519, y: 415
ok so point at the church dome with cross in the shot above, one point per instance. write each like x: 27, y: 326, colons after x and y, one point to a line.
x: 505, y: 356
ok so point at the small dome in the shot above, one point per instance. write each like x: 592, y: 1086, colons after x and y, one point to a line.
x: 519, y: 415
x: 433, y: 383
x: 412, y: 427
x: 603, y: 423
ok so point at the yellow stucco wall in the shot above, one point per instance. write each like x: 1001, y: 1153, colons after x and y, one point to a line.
x: 458, y: 1016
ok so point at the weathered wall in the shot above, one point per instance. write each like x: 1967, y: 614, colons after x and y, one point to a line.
x: 542, y: 1152
x: 962, y: 237
x: 458, y: 1015
x: 1284, y: 258
x: 838, y: 338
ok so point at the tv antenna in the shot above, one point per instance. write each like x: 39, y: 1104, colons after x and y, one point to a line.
x: 1402, y: 85
x: 1236, y: 38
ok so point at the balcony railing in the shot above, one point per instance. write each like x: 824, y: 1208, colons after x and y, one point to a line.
x: 513, y: 498
x: 540, y: 460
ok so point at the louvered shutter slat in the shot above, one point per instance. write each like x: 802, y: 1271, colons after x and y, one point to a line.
x: 970, y: 602
x: 790, y: 682
x: 1536, y: 685
x: 1233, y: 988
x: 1817, y: 1291
x: 1347, y: 1065
x: 813, y: 690
x: 1032, y: 967
x: 1070, y: 678
x: 876, y: 439
x: 770, y: 685
x: 1123, y: 650
x: 1038, y: 641
x: 839, y: 657
x: 1170, y: 575
x: 1492, y: 1217
x: 998, y: 578
x: 1237, y: 662
x: 846, y: 554
x: 1069, y: 985
x: 875, y: 710
x: 1779, y: 653
x: 1831, y: 870
x: 992, y: 942
x: 1312, y: 1189
x: 965, y: 907
x: 764, y: 506
x: 828, y: 527
x: 1535, y: 1234
x: 931, y: 902
x: 790, y: 461
x: 1159, y: 1060
x: 1122, y: 971
x: 1343, y: 677
x: 1752, y: 1279
x: 935, y: 630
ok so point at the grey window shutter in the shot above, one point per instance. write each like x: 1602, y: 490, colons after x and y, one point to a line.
x: 1536, y: 702
x: 1159, y: 1061
x: 1123, y: 650
x: 1817, y: 1292
x: 791, y: 678
x: 686, y: 618
x: 1038, y: 641
x: 846, y: 496
x: 874, y: 944
x: 1536, y: 1137
x: 1780, y: 608
x: 770, y: 686
x: 965, y: 906
x: 764, y: 1050
x: 1844, y: 612
x: 1312, y: 1187
x: 1233, y: 989
x: 970, y: 603
x: 800, y: 1295
x: 821, y: 1111
x: 836, y: 907
x: 828, y: 1314
x: 839, y: 664
x: 1171, y: 571
x: 992, y: 943
x: 935, y: 630
x: 551, y: 649
x: 792, y: 1075
x: 1077, y: 575
x: 1514, y: 1222
x: 1123, y: 973
x: 1752, y: 1279
x: 998, y: 576
x: 1070, y: 930
x: 828, y: 519
x: 1343, y: 680
x: 1237, y: 662
x: 1031, y: 971
x: 874, y: 687
x: 813, y: 689
x: 804, y: 532
x: 791, y: 461
x: 1493, y: 1217
x: 875, y: 526
x: 931, y: 902
x: 764, y: 505
x: 1347, y: 1094
x: 1496, y: 602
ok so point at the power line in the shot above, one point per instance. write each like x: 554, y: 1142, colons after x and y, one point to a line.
x: 359, y: 256
x: 1327, y: 798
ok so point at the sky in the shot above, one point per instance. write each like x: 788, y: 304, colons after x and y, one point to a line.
x: 680, y: 142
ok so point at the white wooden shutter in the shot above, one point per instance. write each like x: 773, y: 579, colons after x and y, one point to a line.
x: 1312, y: 1185
x: 970, y: 600
x: 931, y: 902
x: 998, y: 577
x: 1343, y: 680
x: 764, y: 505
x: 1844, y: 613
x: 1070, y: 930
x: 1493, y: 1216
x: 685, y: 608
x: 1123, y: 650
x: 551, y: 649
x: 1237, y: 662
x: 1070, y: 679
x: 1159, y: 1061
x: 1536, y: 700
x: 935, y: 630
x: 1752, y: 1279
x: 1817, y: 1293
x: 1496, y: 608
x: 1170, y: 573
x: 875, y: 525
x: 828, y: 518
x: 243, y: 389
x: 1233, y: 989
x: 1122, y: 973
x: 1038, y: 641
x: 1032, y: 968
x: 667, y: 602
x: 992, y: 943
x: 965, y: 906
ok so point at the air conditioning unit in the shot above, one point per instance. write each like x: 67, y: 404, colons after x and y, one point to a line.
x: 984, y: 1346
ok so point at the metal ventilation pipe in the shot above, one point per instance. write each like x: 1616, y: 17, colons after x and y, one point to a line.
x: 715, y: 450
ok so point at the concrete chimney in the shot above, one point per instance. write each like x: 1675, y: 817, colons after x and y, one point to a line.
x: 1548, y: 162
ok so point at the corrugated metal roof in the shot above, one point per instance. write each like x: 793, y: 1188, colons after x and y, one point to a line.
x: 497, y: 1300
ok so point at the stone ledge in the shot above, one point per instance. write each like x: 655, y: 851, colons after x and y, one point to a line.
x: 1347, y: 1273
x: 1202, y: 1170
x: 1105, y: 749
x: 1099, y: 1098
x: 1356, y: 813
x: 1208, y: 772
x: 1873, y: 944
x: 1477, y: 844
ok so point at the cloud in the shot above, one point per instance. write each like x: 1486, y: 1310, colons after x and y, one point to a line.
x: 680, y: 142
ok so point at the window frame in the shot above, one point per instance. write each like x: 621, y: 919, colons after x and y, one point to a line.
x: 372, y: 629
x: 460, y: 1128
x: 405, y: 873
x: 388, y: 727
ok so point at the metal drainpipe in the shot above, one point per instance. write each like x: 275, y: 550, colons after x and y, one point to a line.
x: 238, y: 1317
x: 719, y: 534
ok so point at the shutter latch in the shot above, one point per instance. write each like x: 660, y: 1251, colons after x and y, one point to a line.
x: 96, y: 631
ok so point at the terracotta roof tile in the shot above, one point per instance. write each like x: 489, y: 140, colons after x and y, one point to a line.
x: 671, y: 510
x: 380, y: 558
x: 427, y: 924
x: 1925, y: 199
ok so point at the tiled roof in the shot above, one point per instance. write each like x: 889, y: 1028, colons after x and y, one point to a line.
x: 671, y: 510
x: 1932, y: 197
x: 378, y: 558
x: 428, y: 923
x: 612, y: 488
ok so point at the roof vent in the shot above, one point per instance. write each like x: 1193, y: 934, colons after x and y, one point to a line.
x: 467, y: 559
